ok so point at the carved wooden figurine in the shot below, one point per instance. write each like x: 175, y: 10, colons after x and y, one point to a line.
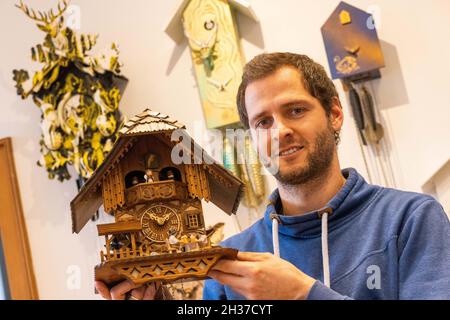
x: 159, y: 231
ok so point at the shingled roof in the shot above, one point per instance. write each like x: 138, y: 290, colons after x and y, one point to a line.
x: 224, y: 195
x: 149, y: 121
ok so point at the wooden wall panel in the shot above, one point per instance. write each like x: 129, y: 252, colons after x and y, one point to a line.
x: 16, y: 250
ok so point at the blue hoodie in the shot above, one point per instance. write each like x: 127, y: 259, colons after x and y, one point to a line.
x: 382, y: 244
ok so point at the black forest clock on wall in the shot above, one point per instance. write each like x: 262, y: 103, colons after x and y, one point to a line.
x: 78, y: 95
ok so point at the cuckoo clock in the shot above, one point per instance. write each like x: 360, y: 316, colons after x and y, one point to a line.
x: 159, y: 231
x: 355, y: 57
x: 352, y: 44
x: 77, y: 92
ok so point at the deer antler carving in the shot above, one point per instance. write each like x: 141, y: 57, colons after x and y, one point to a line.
x: 44, y: 17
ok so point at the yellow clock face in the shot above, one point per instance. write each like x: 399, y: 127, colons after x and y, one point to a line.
x: 159, y: 221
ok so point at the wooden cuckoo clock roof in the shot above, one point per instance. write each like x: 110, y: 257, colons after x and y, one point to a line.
x: 149, y: 122
x: 225, y: 190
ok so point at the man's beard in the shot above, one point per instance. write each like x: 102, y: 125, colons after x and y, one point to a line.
x: 318, y: 161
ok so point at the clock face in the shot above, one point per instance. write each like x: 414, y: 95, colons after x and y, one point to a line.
x: 159, y: 221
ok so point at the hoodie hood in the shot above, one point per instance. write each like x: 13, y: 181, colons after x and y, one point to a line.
x: 346, y: 204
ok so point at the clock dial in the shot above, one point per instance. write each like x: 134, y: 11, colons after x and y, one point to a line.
x: 159, y: 221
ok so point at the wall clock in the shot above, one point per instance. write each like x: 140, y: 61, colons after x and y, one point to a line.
x: 77, y: 93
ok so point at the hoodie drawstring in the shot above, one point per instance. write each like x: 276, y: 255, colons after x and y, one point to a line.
x: 323, y: 215
x: 275, y: 242
x: 325, y: 257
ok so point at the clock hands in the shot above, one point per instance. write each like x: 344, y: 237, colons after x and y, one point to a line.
x: 220, y: 86
x: 166, y: 217
x: 159, y: 220
x: 353, y: 50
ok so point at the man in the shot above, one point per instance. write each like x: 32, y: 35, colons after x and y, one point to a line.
x: 338, y: 237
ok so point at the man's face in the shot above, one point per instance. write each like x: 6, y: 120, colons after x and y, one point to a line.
x: 280, y: 104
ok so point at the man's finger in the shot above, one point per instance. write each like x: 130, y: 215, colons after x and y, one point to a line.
x: 228, y: 266
x: 236, y: 267
x: 118, y: 291
x: 138, y: 293
x: 103, y: 290
x: 231, y: 280
x: 253, y: 256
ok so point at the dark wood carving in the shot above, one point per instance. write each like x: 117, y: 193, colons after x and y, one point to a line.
x: 159, y: 229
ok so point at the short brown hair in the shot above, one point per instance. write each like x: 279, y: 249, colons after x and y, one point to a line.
x: 313, y: 75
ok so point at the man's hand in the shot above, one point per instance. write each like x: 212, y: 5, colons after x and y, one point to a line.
x: 262, y: 276
x: 120, y: 291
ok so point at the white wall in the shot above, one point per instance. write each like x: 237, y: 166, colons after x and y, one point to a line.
x: 412, y: 96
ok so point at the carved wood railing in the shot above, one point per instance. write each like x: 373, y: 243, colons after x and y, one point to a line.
x: 154, y: 191
x: 144, y: 250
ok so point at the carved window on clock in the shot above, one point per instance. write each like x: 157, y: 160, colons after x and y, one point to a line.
x: 193, y: 220
x: 170, y: 173
x: 133, y: 178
